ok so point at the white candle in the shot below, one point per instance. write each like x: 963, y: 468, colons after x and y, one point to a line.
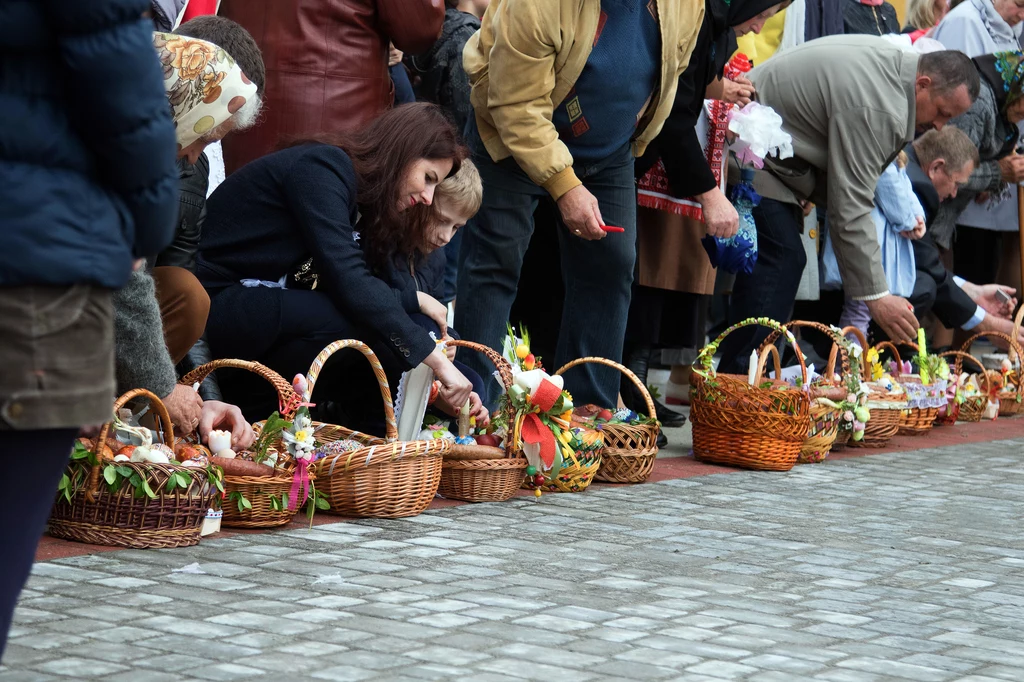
x: 752, y: 368
x: 219, y: 440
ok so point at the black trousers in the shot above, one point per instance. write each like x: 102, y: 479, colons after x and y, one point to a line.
x: 25, y: 507
x: 770, y: 290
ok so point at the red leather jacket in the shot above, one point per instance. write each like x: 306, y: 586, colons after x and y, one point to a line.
x: 327, y: 63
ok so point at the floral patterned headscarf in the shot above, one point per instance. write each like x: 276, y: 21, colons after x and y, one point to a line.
x: 204, y: 85
x: 1004, y: 71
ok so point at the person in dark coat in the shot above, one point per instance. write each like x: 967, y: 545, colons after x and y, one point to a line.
x: 870, y: 17
x: 345, y: 210
x: 87, y: 186
x: 686, y: 167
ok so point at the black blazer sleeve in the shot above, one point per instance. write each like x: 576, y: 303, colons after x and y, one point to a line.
x: 952, y: 306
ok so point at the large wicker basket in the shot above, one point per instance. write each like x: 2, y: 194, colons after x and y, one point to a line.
x: 885, y: 408
x: 386, y: 478
x: 629, y: 449
x: 825, y: 419
x: 99, y: 516
x: 973, y: 407
x: 278, y: 482
x: 914, y: 421
x: 759, y: 426
x: 479, y: 473
x: 1009, y: 400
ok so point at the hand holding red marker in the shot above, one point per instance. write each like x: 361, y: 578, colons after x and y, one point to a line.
x: 612, y: 228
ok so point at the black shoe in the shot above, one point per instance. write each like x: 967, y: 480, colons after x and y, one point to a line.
x: 662, y: 439
x: 638, y: 361
x: 668, y: 417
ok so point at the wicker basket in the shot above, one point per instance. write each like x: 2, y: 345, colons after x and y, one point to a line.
x: 914, y: 421
x: 1009, y: 401
x: 578, y: 470
x: 386, y: 478
x: 629, y: 450
x: 119, y: 519
x: 973, y: 407
x: 825, y: 419
x: 743, y: 425
x: 885, y: 408
x: 479, y: 473
x: 257, y: 489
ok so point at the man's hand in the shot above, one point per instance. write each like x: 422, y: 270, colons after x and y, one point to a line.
x: 985, y: 296
x: 1012, y: 168
x: 895, y: 316
x: 580, y: 213
x: 218, y: 415
x: 185, y: 407
x: 998, y: 324
x: 720, y: 216
x: 739, y: 91
x: 434, y: 309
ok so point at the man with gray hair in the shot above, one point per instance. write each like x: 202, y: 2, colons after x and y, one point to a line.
x: 851, y: 104
x: 160, y: 315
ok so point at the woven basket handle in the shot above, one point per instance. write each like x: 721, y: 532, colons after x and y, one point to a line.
x: 625, y: 370
x: 707, y: 353
x: 287, y: 399
x: 500, y: 363
x: 958, y: 366
x: 159, y: 409
x: 838, y: 350
x: 1017, y: 321
x: 895, y: 355
x: 382, y: 380
x: 1012, y: 341
x: 862, y: 341
x: 762, y: 360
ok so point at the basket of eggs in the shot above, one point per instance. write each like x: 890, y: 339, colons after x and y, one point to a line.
x: 123, y: 490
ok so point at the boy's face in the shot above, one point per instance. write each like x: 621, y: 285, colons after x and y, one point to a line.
x: 452, y: 218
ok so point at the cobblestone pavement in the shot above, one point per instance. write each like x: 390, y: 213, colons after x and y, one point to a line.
x: 891, y: 567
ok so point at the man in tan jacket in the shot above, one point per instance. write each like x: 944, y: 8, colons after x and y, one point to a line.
x: 851, y: 104
x: 566, y: 94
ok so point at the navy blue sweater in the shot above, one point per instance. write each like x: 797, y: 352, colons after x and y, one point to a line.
x: 275, y: 213
x: 87, y: 147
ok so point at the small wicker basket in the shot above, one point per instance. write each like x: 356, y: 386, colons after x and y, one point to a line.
x: 629, y: 449
x: 258, y: 490
x: 386, y: 478
x: 743, y: 425
x: 885, y: 408
x: 99, y: 516
x: 914, y: 421
x: 973, y: 407
x: 1009, y: 401
x: 479, y: 473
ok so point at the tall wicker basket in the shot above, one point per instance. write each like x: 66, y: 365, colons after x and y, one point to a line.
x: 479, y: 473
x: 99, y: 516
x: 629, y: 450
x: 258, y: 490
x: 973, y: 407
x: 759, y: 426
x: 386, y: 478
x: 885, y: 408
x: 825, y: 419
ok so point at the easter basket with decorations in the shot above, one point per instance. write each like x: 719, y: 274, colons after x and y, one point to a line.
x: 968, y: 395
x: 1007, y: 388
x: 749, y: 421
x: 268, y: 483
x: 630, y: 439
x: 122, y: 490
x: 563, y: 450
x: 926, y: 390
x: 486, y: 467
x: 835, y: 396
x: 886, y: 399
x: 366, y: 476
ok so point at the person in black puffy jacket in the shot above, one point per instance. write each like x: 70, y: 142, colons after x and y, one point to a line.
x: 87, y: 186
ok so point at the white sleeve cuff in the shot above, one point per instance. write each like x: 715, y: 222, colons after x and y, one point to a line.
x: 960, y: 281
x: 872, y: 297
x: 979, y: 316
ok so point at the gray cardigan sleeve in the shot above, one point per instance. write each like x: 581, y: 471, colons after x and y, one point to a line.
x: 142, y: 359
x: 979, y: 122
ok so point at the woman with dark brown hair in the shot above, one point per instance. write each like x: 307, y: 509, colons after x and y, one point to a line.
x: 315, y: 243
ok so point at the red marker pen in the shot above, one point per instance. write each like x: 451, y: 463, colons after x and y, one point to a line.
x: 612, y: 228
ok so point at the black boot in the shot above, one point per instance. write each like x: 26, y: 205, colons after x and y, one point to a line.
x: 638, y: 360
x: 662, y: 439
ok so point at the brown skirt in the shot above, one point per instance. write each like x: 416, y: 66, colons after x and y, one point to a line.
x: 670, y: 255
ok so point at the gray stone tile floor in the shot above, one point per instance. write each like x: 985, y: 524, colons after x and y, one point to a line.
x: 888, y: 567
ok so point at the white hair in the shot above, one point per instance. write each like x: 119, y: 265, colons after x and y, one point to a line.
x: 246, y: 116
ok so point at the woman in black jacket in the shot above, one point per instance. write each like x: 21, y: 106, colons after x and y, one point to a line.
x: 686, y: 167
x: 349, y: 211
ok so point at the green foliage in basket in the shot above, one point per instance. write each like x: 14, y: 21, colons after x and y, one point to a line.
x: 269, y: 434
x: 315, y: 501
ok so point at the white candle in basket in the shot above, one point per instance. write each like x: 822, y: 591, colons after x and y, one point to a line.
x: 219, y: 440
x: 752, y: 368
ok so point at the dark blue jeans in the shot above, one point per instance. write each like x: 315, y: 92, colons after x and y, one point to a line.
x: 770, y: 290
x: 597, y: 274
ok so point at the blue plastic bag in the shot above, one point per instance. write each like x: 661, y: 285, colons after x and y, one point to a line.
x: 738, y: 253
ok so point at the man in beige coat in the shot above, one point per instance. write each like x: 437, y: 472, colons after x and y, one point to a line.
x: 851, y: 104
x: 566, y: 93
